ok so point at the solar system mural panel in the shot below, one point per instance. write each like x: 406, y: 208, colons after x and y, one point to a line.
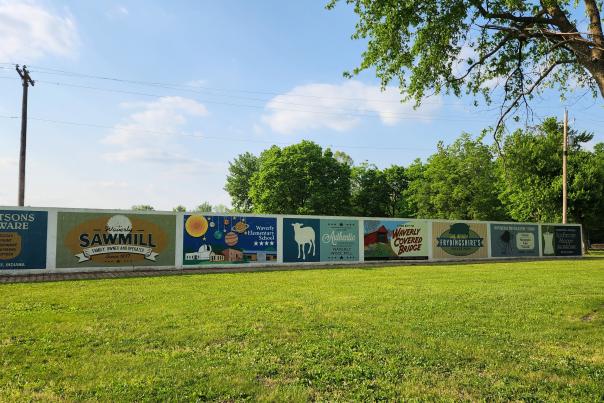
x: 221, y: 239
x: 514, y: 240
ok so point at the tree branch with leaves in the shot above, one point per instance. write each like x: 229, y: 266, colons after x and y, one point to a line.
x: 475, y: 46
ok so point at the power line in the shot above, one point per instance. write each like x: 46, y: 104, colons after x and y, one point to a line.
x: 336, y: 111
x: 200, y: 136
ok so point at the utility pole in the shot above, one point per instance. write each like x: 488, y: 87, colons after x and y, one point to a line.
x: 564, y: 156
x: 26, y: 82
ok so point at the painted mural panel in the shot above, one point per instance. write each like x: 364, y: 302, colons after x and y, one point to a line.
x: 395, y: 239
x: 320, y: 240
x: 209, y: 239
x: 459, y: 240
x: 514, y: 240
x: 93, y: 239
x: 23, y: 239
x: 339, y: 240
x: 561, y: 240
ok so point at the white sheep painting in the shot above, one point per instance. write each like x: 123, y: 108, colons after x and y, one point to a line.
x: 303, y: 236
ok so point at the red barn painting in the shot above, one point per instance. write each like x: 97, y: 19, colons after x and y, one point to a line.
x: 378, y: 236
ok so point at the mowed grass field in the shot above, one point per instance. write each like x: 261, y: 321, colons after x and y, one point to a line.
x: 521, y: 331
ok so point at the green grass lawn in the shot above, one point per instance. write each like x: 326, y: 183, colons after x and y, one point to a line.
x: 527, y: 331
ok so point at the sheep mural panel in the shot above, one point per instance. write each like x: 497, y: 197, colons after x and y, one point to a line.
x: 320, y: 240
x: 300, y: 240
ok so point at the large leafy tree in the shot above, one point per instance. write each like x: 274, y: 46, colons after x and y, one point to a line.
x: 532, y: 177
x: 300, y: 179
x: 370, y: 191
x: 397, y: 179
x: 452, y: 46
x: 238, y: 180
x: 458, y: 182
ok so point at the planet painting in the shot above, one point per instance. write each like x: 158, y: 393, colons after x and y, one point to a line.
x: 196, y: 226
x: 231, y: 239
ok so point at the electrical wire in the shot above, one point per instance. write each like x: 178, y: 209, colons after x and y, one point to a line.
x: 200, y: 136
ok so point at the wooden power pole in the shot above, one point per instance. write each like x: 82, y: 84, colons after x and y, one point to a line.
x: 564, y: 156
x: 26, y: 82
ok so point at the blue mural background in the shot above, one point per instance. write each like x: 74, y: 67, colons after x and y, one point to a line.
x: 291, y: 249
x: 31, y: 254
x: 250, y: 239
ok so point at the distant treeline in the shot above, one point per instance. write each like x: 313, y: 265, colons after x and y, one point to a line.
x: 466, y: 180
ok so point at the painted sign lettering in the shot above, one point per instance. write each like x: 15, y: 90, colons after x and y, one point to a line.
x: 23, y: 239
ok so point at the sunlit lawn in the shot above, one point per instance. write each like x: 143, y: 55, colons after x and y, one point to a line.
x: 530, y: 331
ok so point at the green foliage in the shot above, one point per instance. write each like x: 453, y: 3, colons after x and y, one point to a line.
x: 179, y: 209
x: 300, y: 179
x: 142, y: 207
x: 378, y: 193
x: 204, y: 207
x: 524, y: 331
x: 370, y: 193
x: 398, y: 181
x: 531, y: 180
x: 459, y: 46
x: 343, y: 158
x: 459, y: 182
x: 238, y: 181
x: 463, y: 180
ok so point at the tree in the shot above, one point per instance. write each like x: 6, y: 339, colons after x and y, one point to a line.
x: 370, y: 193
x: 452, y: 46
x: 531, y: 181
x: 397, y: 180
x: 238, y: 181
x: 300, y: 179
x: 458, y: 182
x: 204, y: 207
x: 415, y: 174
x: 179, y: 209
x: 378, y: 193
x: 343, y: 158
x: 142, y: 207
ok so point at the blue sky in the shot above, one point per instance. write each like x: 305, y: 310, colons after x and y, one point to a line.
x: 233, y: 76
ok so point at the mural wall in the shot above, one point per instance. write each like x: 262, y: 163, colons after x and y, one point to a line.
x: 115, y: 239
x: 459, y: 240
x: 514, y: 240
x: 560, y: 240
x: 23, y: 239
x: 395, y: 239
x: 47, y: 239
x: 209, y: 239
x: 320, y: 240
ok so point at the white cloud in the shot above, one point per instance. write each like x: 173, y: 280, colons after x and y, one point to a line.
x: 29, y: 31
x: 160, y: 118
x: 340, y: 107
x: 153, y: 134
